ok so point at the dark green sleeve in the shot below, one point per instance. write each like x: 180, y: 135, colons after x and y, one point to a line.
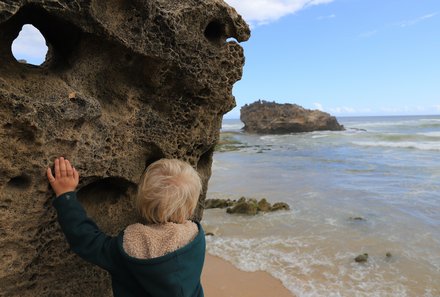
x: 83, y: 235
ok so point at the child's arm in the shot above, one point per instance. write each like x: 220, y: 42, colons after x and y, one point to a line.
x: 82, y: 234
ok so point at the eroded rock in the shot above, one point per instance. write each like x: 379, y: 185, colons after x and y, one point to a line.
x: 218, y: 203
x: 280, y: 206
x: 359, y: 219
x: 273, y: 118
x: 263, y: 205
x: 247, y: 206
x: 125, y: 82
x: 361, y: 258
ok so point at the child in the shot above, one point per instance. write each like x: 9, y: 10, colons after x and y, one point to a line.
x: 162, y: 258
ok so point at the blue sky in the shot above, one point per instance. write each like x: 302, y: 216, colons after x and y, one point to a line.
x: 345, y: 57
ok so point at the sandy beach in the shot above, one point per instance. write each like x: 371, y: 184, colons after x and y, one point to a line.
x: 221, y: 279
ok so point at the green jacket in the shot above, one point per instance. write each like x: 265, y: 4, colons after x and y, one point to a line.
x: 174, y: 274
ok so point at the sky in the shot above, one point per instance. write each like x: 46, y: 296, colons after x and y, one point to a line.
x: 344, y: 57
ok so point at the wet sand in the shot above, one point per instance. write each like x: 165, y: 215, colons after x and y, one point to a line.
x: 221, y: 279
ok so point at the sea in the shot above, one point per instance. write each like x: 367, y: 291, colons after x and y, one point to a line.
x: 373, y: 188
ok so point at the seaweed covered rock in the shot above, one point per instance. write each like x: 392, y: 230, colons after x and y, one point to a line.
x: 228, y: 143
x: 218, y: 203
x: 248, y: 206
x: 361, y: 258
x: 273, y: 118
x: 244, y: 207
x: 263, y: 205
x: 280, y: 206
x: 125, y: 83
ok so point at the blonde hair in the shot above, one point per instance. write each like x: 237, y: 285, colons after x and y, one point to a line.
x: 168, y: 191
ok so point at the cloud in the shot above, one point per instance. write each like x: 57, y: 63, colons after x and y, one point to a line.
x: 342, y: 109
x: 408, y: 109
x: 30, y: 45
x: 318, y: 106
x: 395, y: 109
x: 259, y: 12
x: 326, y: 17
x: 412, y: 22
x: 368, y: 34
x: 402, y: 24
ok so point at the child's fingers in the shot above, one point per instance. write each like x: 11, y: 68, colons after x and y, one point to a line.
x: 75, y: 174
x: 69, y: 170
x: 63, y: 169
x: 57, y: 168
x: 49, y: 175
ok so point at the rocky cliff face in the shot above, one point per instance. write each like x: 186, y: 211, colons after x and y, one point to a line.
x: 273, y: 118
x: 125, y: 82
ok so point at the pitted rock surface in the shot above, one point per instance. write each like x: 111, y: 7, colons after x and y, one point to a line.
x: 125, y: 82
x: 274, y: 118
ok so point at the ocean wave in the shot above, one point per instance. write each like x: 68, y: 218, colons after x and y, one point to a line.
x: 425, y: 146
x: 435, y: 134
x: 232, y: 127
x: 321, y: 134
x: 415, y: 123
x: 310, y: 273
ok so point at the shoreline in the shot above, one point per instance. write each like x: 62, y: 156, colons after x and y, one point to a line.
x: 220, y: 278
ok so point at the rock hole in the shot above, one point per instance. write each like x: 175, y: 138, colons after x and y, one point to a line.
x: 21, y: 182
x: 215, y: 32
x: 21, y: 39
x: 205, y: 160
x: 204, y: 170
x: 30, y: 46
x: 153, y: 153
x: 109, y: 202
x: 108, y: 189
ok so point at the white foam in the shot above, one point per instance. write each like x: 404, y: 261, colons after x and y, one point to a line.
x: 285, y: 259
x: 385, y: 124
x: 393, y: 124
x: 331, y: 222
x: 430, y: 134
x: 216, y: 165
x: 425, y: 146
x: 430, y: 120
x: 232, y: 126
x: 320, y: 136
x: 270, y: 138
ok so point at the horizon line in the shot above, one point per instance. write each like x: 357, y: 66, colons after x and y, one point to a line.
x: 372, y: 116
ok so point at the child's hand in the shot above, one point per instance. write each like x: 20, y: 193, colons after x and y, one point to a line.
x: 66, y: 177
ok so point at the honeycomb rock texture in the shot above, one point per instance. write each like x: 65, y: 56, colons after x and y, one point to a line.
x: 125, y: 83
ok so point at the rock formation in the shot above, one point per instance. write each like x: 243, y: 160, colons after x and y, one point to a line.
x: 125, y: 82
x: 272, y: 118
x: 361, y: 258
x: 248, y: 206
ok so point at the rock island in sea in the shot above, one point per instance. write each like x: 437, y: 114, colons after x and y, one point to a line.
x: 265, y: 117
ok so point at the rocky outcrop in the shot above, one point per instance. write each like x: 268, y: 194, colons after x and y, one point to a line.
x: 248, y: 206
x: 272, y: 118
x: 228, y: 143
x: 361, y: 258
x: 125, y: 82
